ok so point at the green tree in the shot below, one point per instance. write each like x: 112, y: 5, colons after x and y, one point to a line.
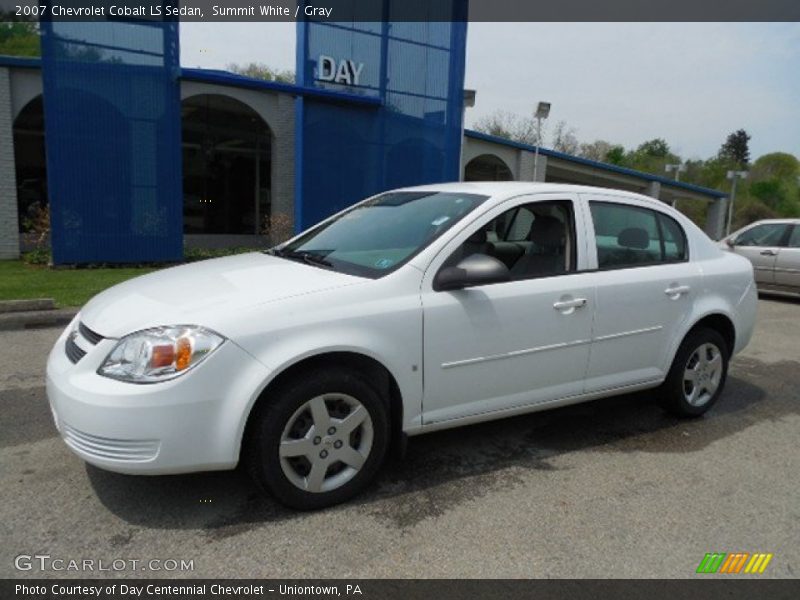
x: 258, y: 70
x: 616, y: 155
x: 651, y: 157
x: 737, y: 148
x: 19, y: 38
x: 749, y: 210
x: 657, y: 148
x: 776, y: 164
x: 774, y: 181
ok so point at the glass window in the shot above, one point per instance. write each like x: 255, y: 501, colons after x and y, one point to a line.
x: 630, y: 236
x: 521, y: 225
x: 794, y: 239
x: 674, y: 239
x: 532, y: 240
x: 377, y: 236
x: 768, y: 234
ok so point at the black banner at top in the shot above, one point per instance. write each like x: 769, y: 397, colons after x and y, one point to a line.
x: 405, y: 10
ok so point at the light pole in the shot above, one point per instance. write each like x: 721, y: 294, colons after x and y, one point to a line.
x: 733, y: 176
x: 469, y: 102
x: 542, y: 112
x: 678, y: 168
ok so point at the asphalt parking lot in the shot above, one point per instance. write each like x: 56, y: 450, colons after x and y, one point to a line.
x: 613, y: 488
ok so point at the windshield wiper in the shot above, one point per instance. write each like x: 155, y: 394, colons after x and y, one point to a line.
x: 307, y: 257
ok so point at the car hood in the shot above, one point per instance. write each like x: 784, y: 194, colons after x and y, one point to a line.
x: 210, y: 293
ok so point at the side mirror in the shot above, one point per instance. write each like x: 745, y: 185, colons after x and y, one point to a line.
x: 731, y: 242
x: 477, y: 269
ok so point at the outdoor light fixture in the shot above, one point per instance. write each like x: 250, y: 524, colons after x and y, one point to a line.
x: 679, y: 168
x: 469, y: 98
x: 734, y: 176
x: 542, y: 112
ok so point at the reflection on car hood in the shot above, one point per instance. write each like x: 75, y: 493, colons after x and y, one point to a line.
x: 208, y: 293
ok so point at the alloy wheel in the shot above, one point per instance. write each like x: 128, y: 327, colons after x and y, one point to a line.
x: 702, y: 374
x: 326, y: 442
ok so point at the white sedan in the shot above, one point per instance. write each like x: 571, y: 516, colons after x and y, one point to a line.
x: 413, y: 311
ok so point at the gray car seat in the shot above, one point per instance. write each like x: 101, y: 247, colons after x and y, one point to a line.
x: 546, y: 254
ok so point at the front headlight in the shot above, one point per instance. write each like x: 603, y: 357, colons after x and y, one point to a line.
x: 159, y: 354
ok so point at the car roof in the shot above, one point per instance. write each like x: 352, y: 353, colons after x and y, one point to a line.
x: 783, y: 220
x: 500, y: 190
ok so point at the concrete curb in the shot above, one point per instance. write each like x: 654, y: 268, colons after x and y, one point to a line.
x: 37, y: 318
x: 13, y: 306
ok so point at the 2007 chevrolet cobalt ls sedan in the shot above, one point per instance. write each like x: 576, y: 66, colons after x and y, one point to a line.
x: 412, y: 311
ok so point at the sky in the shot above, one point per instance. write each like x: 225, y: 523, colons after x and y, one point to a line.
x: 689, y: 83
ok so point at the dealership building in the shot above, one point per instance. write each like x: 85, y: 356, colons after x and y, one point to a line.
x: 137, y: 157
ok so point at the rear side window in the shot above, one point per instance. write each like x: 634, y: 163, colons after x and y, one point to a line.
x: 630, y: 236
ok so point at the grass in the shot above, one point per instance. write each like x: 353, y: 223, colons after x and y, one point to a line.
x: 68, y: 287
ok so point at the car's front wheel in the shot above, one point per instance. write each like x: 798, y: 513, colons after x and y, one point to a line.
x: 697, y: 375
x: 319, y: 440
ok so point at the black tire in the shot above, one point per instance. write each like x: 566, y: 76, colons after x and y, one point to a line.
x: 675, y: 391
x: 273, y: 416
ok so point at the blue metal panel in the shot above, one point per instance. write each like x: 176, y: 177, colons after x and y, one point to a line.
x: 346, y: 152
x: 112, y: 108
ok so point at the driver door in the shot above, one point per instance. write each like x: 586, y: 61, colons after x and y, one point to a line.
x: 514, y: 344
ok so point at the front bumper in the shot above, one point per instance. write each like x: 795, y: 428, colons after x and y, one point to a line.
x: 191, y: 423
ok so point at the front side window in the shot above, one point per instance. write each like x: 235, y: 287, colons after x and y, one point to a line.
x: 532, y: 240
x: 630, y: 236
x: 378, y: 236
x: 768, y: 234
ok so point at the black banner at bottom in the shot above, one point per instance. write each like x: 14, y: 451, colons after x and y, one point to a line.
x: 400, y: 589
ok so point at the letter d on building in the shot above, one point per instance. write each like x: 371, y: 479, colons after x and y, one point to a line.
x: 326, y: 68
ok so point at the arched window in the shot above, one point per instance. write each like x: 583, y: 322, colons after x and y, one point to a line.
x: 31, y: 167
x: 227, y: 149
x: 487, y: 167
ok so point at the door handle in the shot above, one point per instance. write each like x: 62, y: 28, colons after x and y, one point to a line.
x: 570, y: 304
x: 677, y: 291
x: 769, y: 253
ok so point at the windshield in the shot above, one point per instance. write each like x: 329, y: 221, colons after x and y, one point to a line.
x: 379, y: 235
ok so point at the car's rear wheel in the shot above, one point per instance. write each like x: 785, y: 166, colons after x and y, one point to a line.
x: 319, y: 440
x: 697, y: 375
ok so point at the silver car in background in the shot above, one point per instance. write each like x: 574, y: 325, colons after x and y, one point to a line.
x: 773, y: 246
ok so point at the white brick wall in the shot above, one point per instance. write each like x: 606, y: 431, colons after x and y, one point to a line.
x: 9, y: 228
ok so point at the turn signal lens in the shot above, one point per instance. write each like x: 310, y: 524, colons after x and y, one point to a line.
x: 159, y: 354
x: 162, y: 356
x: 183, y: 354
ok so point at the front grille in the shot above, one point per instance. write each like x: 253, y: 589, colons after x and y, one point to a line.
x: 74, y: 352
x: 89, y: 335
x: 109, y: 448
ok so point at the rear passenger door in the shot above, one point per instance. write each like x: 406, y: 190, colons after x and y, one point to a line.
x: 644, y: 294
